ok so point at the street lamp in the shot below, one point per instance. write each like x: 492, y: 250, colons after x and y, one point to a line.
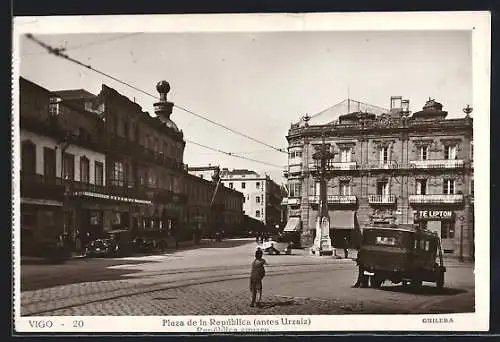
x: 322, y: 158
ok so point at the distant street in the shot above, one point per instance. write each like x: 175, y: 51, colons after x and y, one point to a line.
x: 212, y: 279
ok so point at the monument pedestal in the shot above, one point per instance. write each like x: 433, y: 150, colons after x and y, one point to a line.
x: 322, y: 242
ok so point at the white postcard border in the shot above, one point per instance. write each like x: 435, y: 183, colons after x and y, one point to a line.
x: 476, y: 22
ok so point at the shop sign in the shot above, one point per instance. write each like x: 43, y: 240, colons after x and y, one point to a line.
x: 434, y: 215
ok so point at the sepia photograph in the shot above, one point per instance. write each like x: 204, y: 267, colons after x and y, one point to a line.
x: 251, y: 173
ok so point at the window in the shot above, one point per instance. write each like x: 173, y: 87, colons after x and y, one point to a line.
x: 117, y: 173
x: 151, y: 179
x: 472, y: 187
x: 421, y: 186
x: 84, y: 170
x: 257, y: 185
x: 383, y: 188
x: 257, y: 199
x: 230, y: 185
x: 317, y: 187
x: 295, y: 190
x: 257, y: 213
x: 69, y: 166
x: 447, y: 230
x: 384, y: 155
x: 448, y: 186
x: 49, y: 162
x: 423, y: 152
x: 295, y: 154
x: 243, y: 185
x: 95, y: 218
x: 450, y: 152
x: 28, y: 157
x: 99, y: 173
x: 54, y: 106
x: 345, y: 155
x: 344, y: 188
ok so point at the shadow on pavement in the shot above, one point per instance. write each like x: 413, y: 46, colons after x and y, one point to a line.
x: 78, y: 271
x: 270, y: 304
x: 424, y: 290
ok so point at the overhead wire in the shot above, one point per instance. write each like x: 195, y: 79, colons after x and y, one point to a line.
x: 93, y: 43
x: 59, y: 52
x: 233, y: 154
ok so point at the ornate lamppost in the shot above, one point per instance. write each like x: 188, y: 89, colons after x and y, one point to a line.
x: 323, y: 157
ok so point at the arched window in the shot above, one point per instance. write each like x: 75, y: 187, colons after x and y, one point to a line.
x: 28, y: 157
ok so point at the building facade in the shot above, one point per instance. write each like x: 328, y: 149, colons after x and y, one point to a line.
x: 394, y: 167
x: 63, y: 168
x: 90, y: 164
x: 211, y: 206
x: 262, y: 196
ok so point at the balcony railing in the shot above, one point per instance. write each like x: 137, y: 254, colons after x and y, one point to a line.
x: 437, y: 164
x: 294, y: 200
x: 384, y: 165
x: 335, y: 199
x: 382, y: 199
x: 436, y: 199
x: 336, y: 166
x: 343, y: 165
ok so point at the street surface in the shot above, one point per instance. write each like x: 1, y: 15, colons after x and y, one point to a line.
x: 213, y: 279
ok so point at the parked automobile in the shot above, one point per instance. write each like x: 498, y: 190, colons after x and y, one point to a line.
x: 148, y: 244
x: 112, y: 243
x: 402, y: 254
x: 276, y: 245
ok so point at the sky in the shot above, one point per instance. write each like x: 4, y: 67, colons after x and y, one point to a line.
x: 259, y: 83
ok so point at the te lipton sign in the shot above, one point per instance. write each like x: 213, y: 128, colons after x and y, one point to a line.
x: 434, y: 215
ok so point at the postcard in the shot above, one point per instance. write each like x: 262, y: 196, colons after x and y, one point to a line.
x: 251, y: 173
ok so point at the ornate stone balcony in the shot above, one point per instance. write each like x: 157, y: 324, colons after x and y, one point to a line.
x: 335, y: 199
x: 437, y: 164
x: 382, y: 199
x: 436, y: 199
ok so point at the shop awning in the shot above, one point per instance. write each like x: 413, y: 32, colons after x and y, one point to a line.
x: 292, y: 225
x: 342, y: 219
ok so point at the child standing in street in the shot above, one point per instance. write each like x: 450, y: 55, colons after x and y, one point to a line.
x: 257, y: 273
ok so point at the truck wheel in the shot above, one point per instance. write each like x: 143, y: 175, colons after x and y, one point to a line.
x: 416, y: 283
x: 440, y: 281
x: 376, y: 282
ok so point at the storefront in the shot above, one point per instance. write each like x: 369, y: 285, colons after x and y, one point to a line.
x: 442, y: 222
x: 41, y: 221
x: 343, y: 224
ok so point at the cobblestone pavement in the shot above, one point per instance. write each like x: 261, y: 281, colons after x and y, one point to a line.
x: 283, y: 294
x: 212, y: 281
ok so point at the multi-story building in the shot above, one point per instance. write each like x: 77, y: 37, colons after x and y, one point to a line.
x: 211, y: 206
x: 393, y: 167
x: 63, y: 166
x: 262, y: 196
x: 95, y: 163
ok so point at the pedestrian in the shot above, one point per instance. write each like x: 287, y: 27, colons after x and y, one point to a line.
x: 257, y: 273
x: 346, y: 247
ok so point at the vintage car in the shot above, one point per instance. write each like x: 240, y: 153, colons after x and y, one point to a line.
x: 112, y: 243
x: 402, y: 254
x: 276, y: 245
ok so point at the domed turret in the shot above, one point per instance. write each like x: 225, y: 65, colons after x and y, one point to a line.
x: 163, y: 109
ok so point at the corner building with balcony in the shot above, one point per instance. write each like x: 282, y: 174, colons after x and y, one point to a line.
x: 388, y: 168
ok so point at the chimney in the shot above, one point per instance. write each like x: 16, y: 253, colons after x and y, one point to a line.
x: 396, y: 103
x: 405, y: 104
